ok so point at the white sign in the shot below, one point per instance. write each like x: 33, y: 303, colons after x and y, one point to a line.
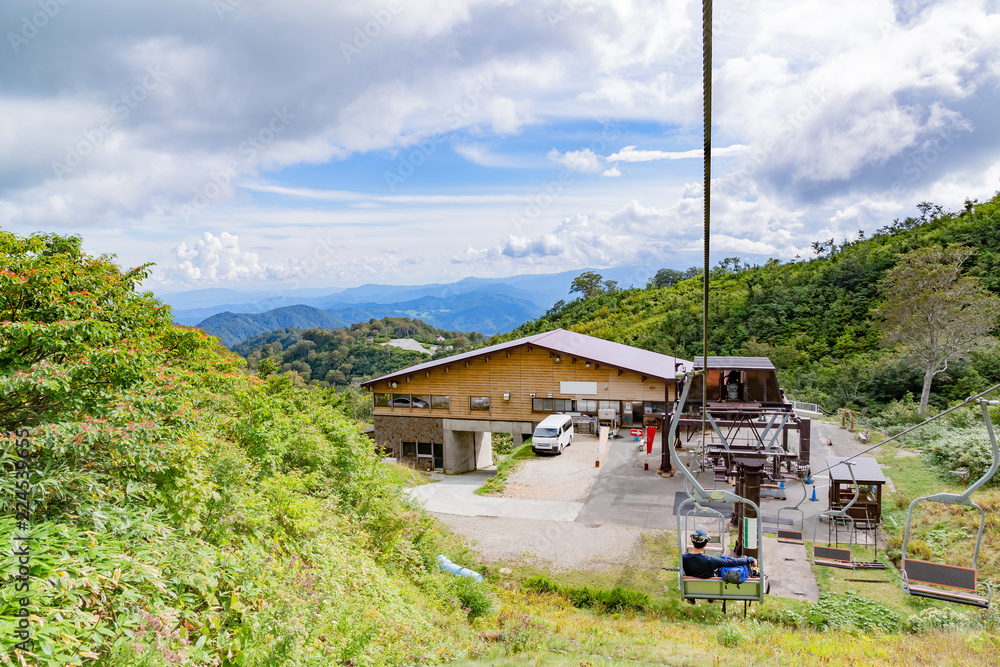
x: 749, y: 533
x: 589, y: 388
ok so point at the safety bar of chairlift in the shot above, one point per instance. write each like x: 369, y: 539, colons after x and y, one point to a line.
x: 697, y: 492
x: 841, y: 513
x: 963, y: 498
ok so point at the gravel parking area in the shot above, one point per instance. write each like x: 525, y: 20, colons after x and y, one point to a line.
x: 567, y: 477
x: 555, y: 545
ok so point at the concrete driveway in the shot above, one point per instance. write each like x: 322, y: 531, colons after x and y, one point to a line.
x: 624, y: 494
x: 455, y: 494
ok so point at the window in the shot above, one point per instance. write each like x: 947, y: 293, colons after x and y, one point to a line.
x: 420, y: 401
x: 546, y: 433
x: 425, y: 449
x: 586, y: 405
x: 479, y: 403
x: 657, y: 406
x: 441, y: 403
x: 541, y: 404
x: 382, y: 400
x: 409, y: 449
x: 400, y: 401
x: 552, y: 404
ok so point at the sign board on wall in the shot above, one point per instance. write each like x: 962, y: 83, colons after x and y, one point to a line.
x: 578, y: 388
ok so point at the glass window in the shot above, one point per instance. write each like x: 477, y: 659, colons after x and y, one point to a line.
x: 409, y: 449
x: 562, y: 404
x: 420, y: 401
x: 425, y: 449
x: 657, y: 406
x: 584, y: 405
x: 541, y: 405
x: 441, y: 403
x: 382, y: 400
x: 400, y: 401
x: 479, y: 403
x: 545, y: 433
x: 608, y: 405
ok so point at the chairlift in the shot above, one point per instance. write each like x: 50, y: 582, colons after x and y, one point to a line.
x: 793, y: 536
x: 832, y: 555
x: 940, y: 581
x: 696, y: 588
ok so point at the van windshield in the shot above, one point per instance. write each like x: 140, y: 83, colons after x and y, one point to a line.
x: 546, y: 432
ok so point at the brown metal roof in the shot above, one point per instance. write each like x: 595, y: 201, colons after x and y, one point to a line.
x: 866, y: 470
x: 735, y: 363
x: 572, y: 344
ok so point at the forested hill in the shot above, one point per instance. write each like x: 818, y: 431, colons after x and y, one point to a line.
x: 813, y: 318
x: 233, y: 328
x: 351, y: 353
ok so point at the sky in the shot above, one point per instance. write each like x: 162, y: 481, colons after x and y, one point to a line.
x: 309, y: 143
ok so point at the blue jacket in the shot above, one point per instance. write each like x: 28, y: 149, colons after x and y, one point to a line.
x: 704, y: 566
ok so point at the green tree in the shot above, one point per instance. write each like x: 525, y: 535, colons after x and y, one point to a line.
x: 934, y: 311
x: 74, y: 329
x: 588, y: 284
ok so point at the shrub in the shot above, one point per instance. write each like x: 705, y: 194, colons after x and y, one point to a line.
x: 474, y: 596
x: 734, y: 633
x: 520, y: 633
x: 938, y: 619
x: 540, y: 584
x: 968, y: 448
x: 850, y: 611
x: 623, y: 599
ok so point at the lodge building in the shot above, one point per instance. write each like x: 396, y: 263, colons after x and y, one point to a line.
x: 443, y: 412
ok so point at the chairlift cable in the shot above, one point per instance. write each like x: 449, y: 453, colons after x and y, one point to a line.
x: 706, y: 25
x: 970, y: 399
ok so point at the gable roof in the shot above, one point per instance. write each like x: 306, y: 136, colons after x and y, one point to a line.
x: 571, y: 343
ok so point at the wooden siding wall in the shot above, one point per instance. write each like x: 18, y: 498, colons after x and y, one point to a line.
x: 519, y: 372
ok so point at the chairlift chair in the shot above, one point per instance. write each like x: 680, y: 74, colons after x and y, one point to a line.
x: 833, y: 555
x: 941, y: 581
x: 695, y: 588
x: 793, y: 536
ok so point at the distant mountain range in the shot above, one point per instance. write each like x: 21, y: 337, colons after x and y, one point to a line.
x: 543, y: 290
x: 486, y: 305
x: 485, y: 312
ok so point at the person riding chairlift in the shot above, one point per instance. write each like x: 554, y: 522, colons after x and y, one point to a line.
x: 697, y: 563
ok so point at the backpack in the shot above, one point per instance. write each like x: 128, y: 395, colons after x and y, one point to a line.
x: 735, y: 574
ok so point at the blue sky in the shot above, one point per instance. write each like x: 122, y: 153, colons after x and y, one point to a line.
x: 306, y: 143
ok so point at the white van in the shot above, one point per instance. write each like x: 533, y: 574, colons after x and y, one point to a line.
x: 554, y: 433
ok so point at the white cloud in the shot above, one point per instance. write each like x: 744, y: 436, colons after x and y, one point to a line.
x: 214, y: 259
x: 822, y: 108
x: 630, y: 154
x: 584, y: 161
